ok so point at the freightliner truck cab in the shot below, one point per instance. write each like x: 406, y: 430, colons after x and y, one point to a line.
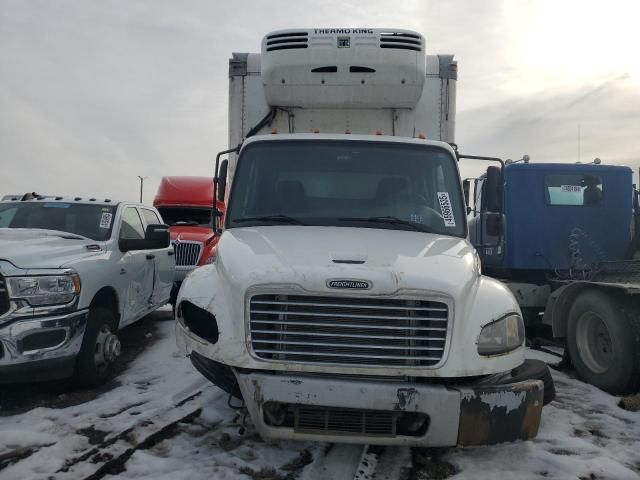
x: 346, y: 302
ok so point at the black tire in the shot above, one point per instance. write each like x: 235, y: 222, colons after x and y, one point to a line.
x: 536, y: 370
x: 173, y: 297
x: 90, y: 370
x: 603, y: 337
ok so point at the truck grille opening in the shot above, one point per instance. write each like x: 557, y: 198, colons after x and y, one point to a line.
x: 323, y: 420
x: 287, y: 41
x: 4, y: 296
x: 348, y: 330
x: 187, y: 253
x: 401, y: 41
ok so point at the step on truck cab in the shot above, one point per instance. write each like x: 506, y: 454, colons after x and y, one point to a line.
x: 346, y: 302
x: 186, y: 205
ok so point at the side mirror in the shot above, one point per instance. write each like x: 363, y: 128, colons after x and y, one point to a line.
x: 222, y: 180
x: 493, y: 222
x: 466, y: 186
x: 493, y: 190
x: 156, y: 236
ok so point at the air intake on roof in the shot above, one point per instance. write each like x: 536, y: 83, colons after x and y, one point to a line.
x: 400, y: 41
x: 287, y: 41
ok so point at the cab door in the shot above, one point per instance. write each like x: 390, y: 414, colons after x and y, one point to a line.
x: 163, y: 261
x: 136, y: 269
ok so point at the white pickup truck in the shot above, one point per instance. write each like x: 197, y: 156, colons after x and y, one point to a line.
x: 346, y: 302
x: 72, y: 273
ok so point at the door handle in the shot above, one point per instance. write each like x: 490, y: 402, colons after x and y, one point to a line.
x: 170, y: 253
x: 150, y: 256
x: 123, y: 271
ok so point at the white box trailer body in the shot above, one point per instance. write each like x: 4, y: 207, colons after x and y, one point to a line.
x: 382, y: 82
x: 331, y: 316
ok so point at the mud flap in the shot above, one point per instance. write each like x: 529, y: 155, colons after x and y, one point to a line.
x: 500, y: 413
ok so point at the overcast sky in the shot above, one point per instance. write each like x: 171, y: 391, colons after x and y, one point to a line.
x: 94, y: 93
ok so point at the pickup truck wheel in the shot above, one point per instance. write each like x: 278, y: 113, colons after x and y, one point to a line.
x: 100, y: 348
x: 602, y: 342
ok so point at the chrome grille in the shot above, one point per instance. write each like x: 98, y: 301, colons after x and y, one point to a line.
x: 4, y: 296
x: 347, y: 330
x: 187, y: 253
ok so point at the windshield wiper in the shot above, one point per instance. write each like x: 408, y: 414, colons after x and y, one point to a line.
x: 388, y: 219
x: 270, y: 218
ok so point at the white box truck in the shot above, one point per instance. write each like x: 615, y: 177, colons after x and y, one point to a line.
x: 346, y: 302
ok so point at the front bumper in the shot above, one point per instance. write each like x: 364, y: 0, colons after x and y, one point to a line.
x: 465, y: 416
x: 42, y: 348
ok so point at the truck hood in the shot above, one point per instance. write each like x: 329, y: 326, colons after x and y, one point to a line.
x: 390, y: 260
x: 194, y: 234
x: 33, y: 248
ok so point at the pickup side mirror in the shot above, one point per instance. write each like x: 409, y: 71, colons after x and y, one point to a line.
x: 156, y: 236
x: 222, y: 180
x: 493, y: 190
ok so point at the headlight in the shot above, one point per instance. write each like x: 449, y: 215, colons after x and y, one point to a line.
x: 45, y: 290
x: 211, y: 259
x: 501, y: 336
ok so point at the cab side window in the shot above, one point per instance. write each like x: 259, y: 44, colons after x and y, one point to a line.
x: 6, y: 216
x: 573, y: 189
x: 150, y: 217
x: 131, y: 227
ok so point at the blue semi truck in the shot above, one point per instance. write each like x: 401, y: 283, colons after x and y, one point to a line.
x: 563, y: 238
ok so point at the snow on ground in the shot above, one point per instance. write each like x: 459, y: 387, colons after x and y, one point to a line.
x: 215, y: 447
x: 149, y: 383
x: 584, y: 434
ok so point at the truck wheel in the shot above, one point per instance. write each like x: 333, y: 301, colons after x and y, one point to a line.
x: 100, y: 348
x: 602, y: 342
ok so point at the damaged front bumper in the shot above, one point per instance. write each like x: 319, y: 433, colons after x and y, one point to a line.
x: 366, y: 411
x: 351, y: 410
x: 42, y: 348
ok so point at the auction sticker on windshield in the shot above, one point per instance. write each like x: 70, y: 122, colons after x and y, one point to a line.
x: 446, y: 210
x: 105, y: 220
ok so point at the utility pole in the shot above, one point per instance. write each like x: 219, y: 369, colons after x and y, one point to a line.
x: 579, y: 139
x: 141, y: 185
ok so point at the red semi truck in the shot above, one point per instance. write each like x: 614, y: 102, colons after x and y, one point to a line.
x: 185, y: 204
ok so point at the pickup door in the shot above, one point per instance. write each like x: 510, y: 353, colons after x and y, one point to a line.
x: 164, y: 263
x: 136, y: 270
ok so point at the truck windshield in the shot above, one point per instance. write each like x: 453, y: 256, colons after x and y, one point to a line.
x: 91, y: 221
x: 346, y: 183
x: 186, y: 216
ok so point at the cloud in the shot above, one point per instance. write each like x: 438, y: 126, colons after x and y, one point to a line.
x: 558, y: 127
x: 93, y: 94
